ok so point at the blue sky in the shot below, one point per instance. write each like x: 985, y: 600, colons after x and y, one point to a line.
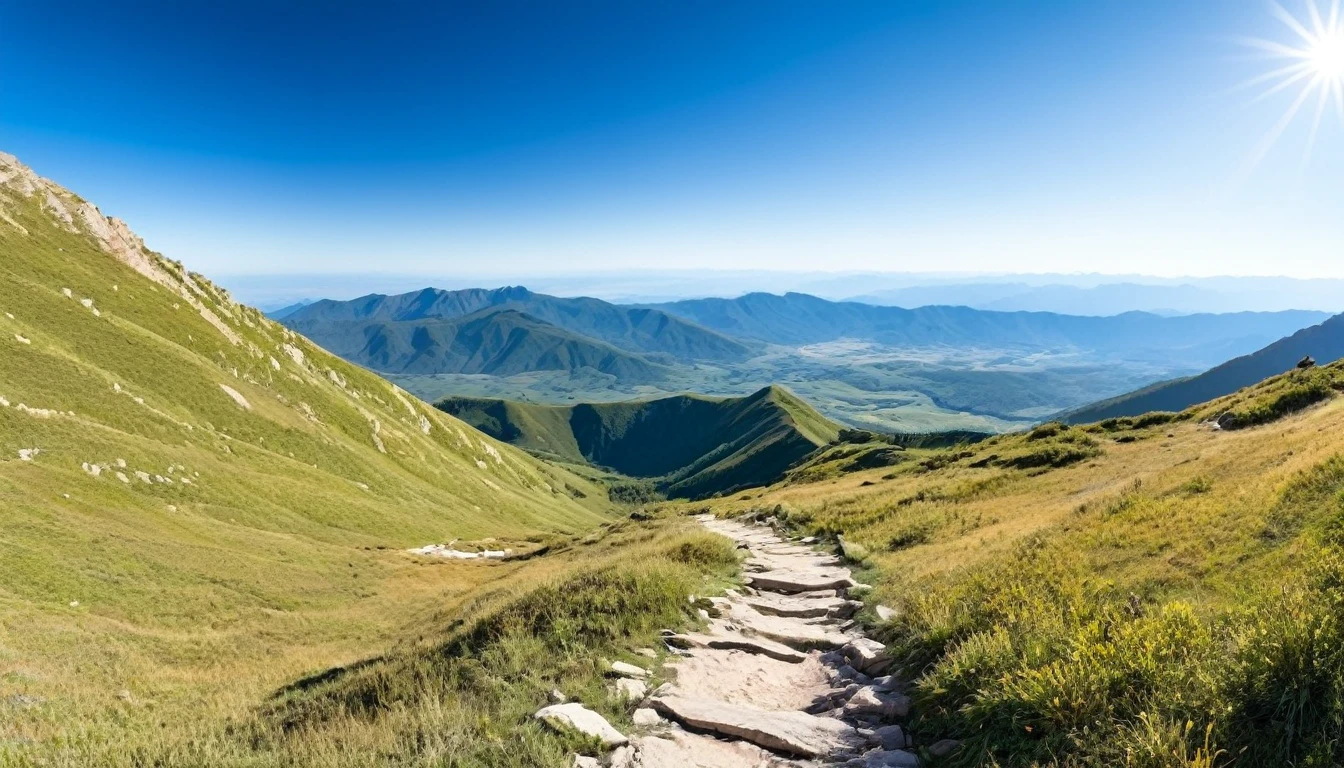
x: 524, y: 138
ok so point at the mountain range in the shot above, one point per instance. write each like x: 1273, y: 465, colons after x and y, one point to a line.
x: 1324, y: 343
x: 689, y: 445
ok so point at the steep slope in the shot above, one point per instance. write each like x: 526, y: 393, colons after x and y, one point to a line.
x: 499, y: 342
x: 691, y: 445
x: 197, y: 502
x: 1324, y: 342
x: 796, y: 318
x: 639, y: 330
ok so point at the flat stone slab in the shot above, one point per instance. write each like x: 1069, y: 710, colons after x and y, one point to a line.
x: 802, y: 608
x: 790, y: 581
x: 579, y: 718
x: 740, y: 642
x: 793, y: 733
x: 679, y: 749
x: 795, y: 634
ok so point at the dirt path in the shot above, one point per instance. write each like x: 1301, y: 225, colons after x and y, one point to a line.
x: 781, y: 677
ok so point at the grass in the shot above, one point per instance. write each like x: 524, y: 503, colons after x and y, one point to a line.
x: 687, y: 445
x: 1169, y: 601
x: 266, y: 542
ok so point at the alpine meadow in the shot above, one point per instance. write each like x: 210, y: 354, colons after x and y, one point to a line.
x: 751, y: 385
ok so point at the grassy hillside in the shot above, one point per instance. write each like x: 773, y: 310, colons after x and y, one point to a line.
x: 1148, y: 591
x: 496, y: 342
x: 198, y: 504
x: 690, y: 445
x: 1324, y: 342
x: 797, y: 318
x: 638, y: 330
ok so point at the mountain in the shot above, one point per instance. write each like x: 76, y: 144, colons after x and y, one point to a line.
x: 633, y: 329
x: 692, y: 446
x: 1324, y: 342
x: 199, y: 503
x: 494, y: 341
x: 286, y: 311
x: 796, y: 319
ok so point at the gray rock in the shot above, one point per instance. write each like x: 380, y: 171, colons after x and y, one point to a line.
x: 557, y: 697
x: 885, y: 614
x: 628, y: 670
x: 869, y: 701
x: 645, y: 717
x: 809, y: 580
x: 583, y: 761
x: 647, y: 653
x: 896, y: 758
x: 867, y: 655
x: 740, y: 642
x: 579, y: 718
x: 944, y: 748
x: 630, y: 690
x: 796, y: 733
x: 888, y: 737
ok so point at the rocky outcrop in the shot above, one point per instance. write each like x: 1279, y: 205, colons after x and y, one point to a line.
x: 576, y: 717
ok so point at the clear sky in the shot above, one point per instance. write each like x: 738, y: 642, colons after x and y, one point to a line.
x: 509, y: 137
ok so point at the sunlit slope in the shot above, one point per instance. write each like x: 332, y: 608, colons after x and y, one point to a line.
x: 1051, y: 589
x: 175, y: 466
x: 691, y: 445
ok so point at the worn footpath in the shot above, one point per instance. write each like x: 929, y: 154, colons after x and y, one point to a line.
x: 782, y: 676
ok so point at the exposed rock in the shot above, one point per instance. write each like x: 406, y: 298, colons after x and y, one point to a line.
x: 796, y: 733
x: 885, y: 614
x: 579, y: 718
x: 628, y: 670
x: 869, y: 701
x: 583, y: 761
x: 867, y: 656
x: 630, y: 690
x: 738, y: 642
x: 645, y: 717
x: 647, y: 653
x: 895, y: 758
x: 888, y: 737
x: 944, y: 748
x: 801, y: 581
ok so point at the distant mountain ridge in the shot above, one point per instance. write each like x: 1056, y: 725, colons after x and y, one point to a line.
x: 493, y: 341
x: 634, y: 329
x: 795, y: 319
x: 1324, y: 343
x: 690, y: 445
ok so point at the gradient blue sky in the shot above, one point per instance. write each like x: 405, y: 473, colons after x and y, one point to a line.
x: 516, y: 138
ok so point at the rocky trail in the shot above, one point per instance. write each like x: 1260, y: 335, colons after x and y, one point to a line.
x: 782, y: 676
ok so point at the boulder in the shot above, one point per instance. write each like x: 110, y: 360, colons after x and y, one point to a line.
x: 809, y: 580
x: 577, y: 717
x: 885, y: 614
x: 867, y: 656
x: 888, y: 737
x: 583, y: 761
x: 628, y: 670
x: 630, y: 689
x: 645, y: 717
x: 882, y: 758
x: 795, y: 733
x: 869, y: 701
x: 944, y: 748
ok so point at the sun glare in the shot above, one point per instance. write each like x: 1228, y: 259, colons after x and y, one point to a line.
x: 1313, y: 63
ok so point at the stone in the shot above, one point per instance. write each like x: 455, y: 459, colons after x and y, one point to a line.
x: 630, y: 689
x: 888, y: 737
x: 795, y: 733
x: 732, y: 641
x: 790, y: 632
x: 944, y: 747
x: 885, y: 614
x: 645, y: 717
x: 579, y: 718
x: 647, y: 653
x: 628, y: 670
x: 881, y: 758
x: 583, y: 761
x: 867, y: 655
x: 809, y: 580
x: 557, y: 697
x: 869, y: 701
x: 623, y: 757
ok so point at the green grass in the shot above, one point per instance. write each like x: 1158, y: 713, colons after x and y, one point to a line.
x: 1172, y: 600
x: 268, y: 541
x: 688, y: 445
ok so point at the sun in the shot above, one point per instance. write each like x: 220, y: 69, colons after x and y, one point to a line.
x: 1313, y: 63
